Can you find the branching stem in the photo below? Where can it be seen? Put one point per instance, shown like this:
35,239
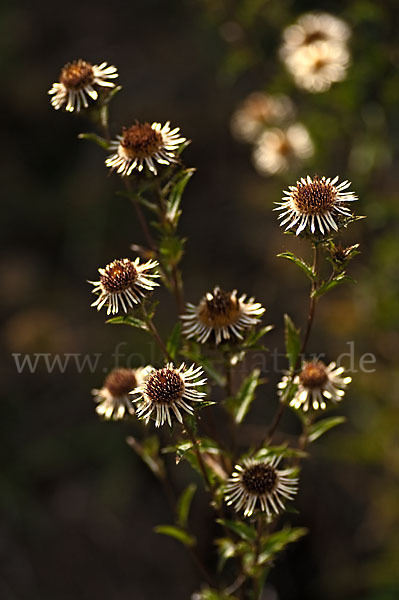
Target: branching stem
309,323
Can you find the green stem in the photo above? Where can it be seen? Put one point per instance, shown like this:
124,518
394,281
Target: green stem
197,453
140,216
104,120
309,323
154,332
257,584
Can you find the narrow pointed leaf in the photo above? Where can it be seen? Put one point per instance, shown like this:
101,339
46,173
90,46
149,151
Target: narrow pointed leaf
256,335
128,320
276,542
176,194
244,531
241,403
176,532
326,286
184,503
93,137
319,428
308,269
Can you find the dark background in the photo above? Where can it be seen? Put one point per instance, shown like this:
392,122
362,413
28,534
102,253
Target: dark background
77,506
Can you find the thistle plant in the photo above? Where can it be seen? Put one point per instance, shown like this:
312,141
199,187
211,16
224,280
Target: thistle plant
202,387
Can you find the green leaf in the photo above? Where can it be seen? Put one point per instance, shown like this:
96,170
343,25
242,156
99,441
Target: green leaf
244,531
292,341
128,320
212,594
326,286
148,452
226,550
276,542
184,503
173,343
175,196
110,93
308,269
256,335
318,429
176,532
93,137
171,249
241,403
283,451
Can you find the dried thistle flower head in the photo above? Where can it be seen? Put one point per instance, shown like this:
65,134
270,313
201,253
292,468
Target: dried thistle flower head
113,400
78,82
222,314
278,149
316,383
168,391
259,111
312,28
340,255
316,203
259,484
124,281
317,66
144,144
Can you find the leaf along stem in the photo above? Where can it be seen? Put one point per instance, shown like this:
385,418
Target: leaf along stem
312,308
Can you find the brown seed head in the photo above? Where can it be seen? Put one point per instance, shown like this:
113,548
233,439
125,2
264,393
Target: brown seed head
141,141
120,382
315,198
77,75
259,479
220,309
313,374
165,386
119,276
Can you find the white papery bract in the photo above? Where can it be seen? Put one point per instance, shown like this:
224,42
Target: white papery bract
258,484
317,384
124,282
113,400
222,314
167,392
317,203
142,145
78,83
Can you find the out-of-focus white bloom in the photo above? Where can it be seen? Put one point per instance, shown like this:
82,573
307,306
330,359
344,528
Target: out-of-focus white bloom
316,385
317,66
259,111
312,28
113,400
278,149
